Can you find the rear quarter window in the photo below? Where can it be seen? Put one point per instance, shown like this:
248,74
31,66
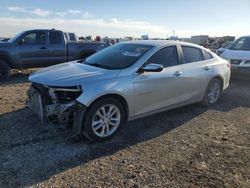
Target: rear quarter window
55,37
192,54
207,55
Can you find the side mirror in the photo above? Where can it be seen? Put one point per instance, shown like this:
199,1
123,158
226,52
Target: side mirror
20,42
152,67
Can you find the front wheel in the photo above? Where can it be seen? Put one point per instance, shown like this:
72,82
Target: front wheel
103,119
4,71
213,92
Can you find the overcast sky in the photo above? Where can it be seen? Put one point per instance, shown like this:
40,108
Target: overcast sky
115,18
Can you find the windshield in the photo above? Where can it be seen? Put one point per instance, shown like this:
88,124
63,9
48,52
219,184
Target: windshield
227,45
13,39
119,56
242,43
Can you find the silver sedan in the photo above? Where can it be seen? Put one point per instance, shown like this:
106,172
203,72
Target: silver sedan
127,81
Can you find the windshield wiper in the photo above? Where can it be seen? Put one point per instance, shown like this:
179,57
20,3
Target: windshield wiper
95,64
99,65
81,61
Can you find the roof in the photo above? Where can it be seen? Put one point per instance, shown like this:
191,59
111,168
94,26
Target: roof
161,43
245,36
45,30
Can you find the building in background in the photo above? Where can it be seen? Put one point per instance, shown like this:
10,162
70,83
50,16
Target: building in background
173,38
144,37
185,40
128,38
217,42
3,39
199,39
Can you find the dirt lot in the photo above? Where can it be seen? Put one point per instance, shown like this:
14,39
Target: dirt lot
191,146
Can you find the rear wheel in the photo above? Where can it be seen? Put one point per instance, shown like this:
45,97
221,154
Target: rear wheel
213,92
4,70
103,119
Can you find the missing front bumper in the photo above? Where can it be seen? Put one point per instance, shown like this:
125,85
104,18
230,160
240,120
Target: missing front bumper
58,113
35,103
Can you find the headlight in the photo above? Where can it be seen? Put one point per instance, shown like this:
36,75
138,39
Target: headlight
64,94
68,88
235,61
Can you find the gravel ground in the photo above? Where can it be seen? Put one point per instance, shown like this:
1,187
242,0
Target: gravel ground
191,146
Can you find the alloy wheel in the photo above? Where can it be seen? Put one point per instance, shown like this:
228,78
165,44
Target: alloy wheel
214,92
106,120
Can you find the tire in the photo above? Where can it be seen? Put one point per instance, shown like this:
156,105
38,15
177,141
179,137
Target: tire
213,92
5,70
97,125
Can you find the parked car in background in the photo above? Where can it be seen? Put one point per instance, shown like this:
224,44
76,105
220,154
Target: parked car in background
4,39
226,46
127,81
239,56
70,37
40,48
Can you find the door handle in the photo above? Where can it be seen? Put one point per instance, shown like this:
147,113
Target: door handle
178,73
206,68
43,48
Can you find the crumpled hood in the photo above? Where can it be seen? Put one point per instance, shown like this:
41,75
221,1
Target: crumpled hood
71,74
236,54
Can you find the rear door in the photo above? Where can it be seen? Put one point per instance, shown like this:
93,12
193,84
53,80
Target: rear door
32,49
156,90
57,47
197,72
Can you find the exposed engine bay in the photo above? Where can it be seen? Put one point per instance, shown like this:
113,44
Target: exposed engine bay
56,104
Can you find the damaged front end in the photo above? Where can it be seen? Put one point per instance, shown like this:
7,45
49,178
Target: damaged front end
57,104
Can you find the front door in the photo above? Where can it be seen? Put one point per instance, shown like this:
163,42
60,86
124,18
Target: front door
157,90
32,49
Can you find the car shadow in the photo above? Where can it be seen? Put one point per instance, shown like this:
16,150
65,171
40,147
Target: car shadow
237,95
32,152
46,152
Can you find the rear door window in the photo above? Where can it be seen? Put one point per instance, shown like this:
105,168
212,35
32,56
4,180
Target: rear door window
55,37
167,57
192,54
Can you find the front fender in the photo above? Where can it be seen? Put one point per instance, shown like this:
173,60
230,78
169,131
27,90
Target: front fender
7,57
93,91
